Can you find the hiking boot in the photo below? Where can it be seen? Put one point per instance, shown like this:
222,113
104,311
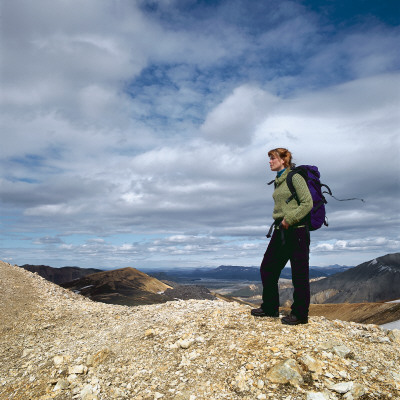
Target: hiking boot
259,312
291,319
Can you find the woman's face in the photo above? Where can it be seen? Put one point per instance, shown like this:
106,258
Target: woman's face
276,163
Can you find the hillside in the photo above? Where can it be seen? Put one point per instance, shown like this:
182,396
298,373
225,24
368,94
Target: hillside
372,281
125,286
129,286
60,275
55,344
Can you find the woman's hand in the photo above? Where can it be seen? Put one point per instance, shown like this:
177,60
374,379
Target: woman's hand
284,224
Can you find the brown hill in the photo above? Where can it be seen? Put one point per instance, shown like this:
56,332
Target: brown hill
126,286
129,286
365,313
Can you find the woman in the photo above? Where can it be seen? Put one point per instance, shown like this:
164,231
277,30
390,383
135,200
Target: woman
290,241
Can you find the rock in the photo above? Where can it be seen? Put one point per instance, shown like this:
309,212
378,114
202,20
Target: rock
61,385
341,351
58,360
312,364
149,333
98,358
316,396
185,344
342,387
87,393
77,369
240,381
394,335
27,352
287,371
357,391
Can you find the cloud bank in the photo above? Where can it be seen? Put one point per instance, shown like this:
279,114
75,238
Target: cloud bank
136,133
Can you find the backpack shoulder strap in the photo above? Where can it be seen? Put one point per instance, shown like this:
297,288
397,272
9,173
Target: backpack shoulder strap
289,182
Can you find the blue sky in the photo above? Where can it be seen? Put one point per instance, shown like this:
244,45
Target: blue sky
136,133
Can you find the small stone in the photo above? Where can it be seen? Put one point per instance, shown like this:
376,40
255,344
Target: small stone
260,384
341,351
185,344
149,333
240,381
342,387
77,369
316,396
87,393
58,360
394,335
62,384
358,391
312,364
284,372
27,352
158,395
98,358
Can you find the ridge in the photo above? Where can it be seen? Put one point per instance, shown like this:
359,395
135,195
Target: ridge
55,344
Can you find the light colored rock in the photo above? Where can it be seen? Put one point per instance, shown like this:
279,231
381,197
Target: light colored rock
77,369
316,396
342,387
27,352
341,351
98,358
149,333
394,335
312,364
287,371
61,385
58,360
240,381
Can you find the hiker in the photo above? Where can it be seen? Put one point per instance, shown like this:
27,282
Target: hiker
290,241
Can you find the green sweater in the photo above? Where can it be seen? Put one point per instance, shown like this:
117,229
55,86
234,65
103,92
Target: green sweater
292,212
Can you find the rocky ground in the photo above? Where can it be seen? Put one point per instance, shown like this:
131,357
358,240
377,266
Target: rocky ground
55,344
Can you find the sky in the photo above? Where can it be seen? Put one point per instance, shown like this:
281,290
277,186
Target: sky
135,133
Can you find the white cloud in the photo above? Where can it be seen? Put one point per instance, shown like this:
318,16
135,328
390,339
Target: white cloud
123,121
235,119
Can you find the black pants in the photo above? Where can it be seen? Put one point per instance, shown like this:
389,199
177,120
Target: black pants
294,246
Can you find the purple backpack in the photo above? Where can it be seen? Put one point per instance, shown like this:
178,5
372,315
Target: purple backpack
317,216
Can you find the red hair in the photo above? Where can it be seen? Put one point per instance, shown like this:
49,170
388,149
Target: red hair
283,154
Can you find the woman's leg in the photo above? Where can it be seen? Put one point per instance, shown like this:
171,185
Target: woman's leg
299,261
275,259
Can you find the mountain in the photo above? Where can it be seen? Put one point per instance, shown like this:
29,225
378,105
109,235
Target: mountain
372,281
55,344
129,286
60,275
234,272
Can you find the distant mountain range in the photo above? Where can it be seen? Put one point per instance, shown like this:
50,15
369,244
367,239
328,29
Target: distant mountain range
223,272
234,272
372,281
